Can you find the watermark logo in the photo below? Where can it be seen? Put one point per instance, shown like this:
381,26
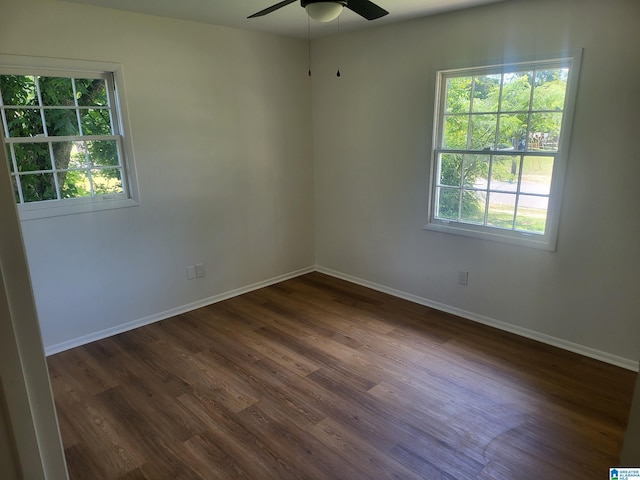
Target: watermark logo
624,473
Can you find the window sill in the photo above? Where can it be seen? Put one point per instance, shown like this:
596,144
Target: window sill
56,208
541,242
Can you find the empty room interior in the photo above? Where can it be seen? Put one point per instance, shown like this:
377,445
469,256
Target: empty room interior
276,248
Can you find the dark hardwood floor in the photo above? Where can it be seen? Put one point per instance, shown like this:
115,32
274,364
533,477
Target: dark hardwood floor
316,378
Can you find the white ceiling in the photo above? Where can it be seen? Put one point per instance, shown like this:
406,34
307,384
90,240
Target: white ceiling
290,20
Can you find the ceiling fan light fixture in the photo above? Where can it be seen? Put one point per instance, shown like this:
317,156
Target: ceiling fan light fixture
324,11
327,10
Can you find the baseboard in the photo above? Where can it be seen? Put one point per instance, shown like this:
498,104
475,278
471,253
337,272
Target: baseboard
108,332
626,363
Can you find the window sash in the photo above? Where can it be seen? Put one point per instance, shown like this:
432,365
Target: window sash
518,191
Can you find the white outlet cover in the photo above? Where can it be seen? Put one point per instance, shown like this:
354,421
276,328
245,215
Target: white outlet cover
199,270
191,273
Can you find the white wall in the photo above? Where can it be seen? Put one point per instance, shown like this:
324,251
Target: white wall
220,122
372,140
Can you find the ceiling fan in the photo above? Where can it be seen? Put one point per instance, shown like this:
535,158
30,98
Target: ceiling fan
325,11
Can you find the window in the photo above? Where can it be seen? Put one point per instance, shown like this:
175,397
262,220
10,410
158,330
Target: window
64,140
501,138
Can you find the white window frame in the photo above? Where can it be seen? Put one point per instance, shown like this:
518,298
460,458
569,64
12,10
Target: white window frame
22,65
548,240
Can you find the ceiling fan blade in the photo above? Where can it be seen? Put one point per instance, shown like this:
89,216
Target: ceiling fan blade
366,9
272,8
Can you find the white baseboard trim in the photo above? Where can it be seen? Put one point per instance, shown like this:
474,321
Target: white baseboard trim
626,363
108,332
612,359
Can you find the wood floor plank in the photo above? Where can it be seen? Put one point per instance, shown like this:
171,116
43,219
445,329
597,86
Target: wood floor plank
359,453
211,461
148,431
231,436
305,456
318,378
81,365
103,438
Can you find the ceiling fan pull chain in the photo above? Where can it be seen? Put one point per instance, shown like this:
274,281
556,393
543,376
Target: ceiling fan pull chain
309,41
338,72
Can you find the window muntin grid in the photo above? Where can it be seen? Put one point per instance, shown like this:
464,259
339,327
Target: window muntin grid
62,136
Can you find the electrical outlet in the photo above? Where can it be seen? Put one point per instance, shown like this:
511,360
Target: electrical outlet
191,273
199,270
463,278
